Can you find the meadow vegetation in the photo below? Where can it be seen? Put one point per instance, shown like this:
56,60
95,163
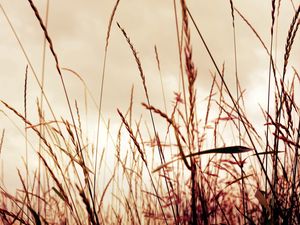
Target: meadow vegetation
169,176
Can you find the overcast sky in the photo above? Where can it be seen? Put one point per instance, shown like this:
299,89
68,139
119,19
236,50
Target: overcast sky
78,29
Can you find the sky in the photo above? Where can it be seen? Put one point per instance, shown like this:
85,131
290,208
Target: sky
78,30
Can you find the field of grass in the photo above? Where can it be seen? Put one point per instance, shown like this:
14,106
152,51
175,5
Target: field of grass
173,164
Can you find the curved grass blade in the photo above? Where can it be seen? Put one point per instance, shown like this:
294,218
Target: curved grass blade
223,150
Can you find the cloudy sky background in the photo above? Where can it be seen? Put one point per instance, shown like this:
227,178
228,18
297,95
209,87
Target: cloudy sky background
78,29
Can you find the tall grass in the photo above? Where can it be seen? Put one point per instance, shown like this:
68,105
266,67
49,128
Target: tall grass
167,177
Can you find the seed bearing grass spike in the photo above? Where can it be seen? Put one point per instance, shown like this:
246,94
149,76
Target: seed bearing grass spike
171,174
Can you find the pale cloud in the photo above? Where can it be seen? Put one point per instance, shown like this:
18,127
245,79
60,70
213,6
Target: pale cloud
78,30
